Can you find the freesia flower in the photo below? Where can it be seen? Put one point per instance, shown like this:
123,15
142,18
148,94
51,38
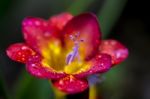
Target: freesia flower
67,50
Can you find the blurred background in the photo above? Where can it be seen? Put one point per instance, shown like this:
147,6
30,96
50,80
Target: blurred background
124,20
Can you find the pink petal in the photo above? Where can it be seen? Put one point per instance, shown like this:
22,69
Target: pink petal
59,21
37,32
19,52
115,49
36,68
87,28
99,64
71,85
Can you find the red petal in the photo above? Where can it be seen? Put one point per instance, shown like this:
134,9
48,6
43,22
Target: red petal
100,64
71,85
20,52
115,49
59,21
37,32
35,68
86,25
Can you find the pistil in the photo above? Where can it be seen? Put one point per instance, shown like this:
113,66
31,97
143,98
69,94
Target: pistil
75,53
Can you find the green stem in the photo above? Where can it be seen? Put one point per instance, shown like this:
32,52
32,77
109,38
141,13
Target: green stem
92,92
109,14
59,94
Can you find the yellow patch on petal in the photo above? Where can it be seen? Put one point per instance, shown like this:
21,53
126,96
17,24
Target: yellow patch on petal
56,47
53,55
76,67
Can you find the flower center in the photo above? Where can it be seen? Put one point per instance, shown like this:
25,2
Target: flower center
65,59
